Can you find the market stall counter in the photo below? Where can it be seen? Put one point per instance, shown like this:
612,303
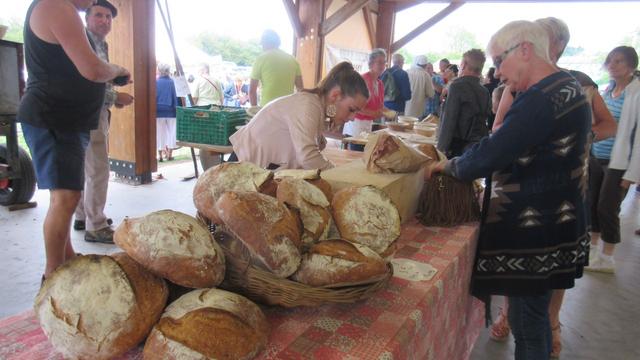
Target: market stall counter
425,312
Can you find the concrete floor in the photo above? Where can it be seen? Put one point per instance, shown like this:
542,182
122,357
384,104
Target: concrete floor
600,315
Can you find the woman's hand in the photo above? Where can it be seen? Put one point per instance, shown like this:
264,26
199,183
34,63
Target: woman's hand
434,168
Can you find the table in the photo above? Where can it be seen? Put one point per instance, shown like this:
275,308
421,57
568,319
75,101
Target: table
212,149
431,319
337,156
405,135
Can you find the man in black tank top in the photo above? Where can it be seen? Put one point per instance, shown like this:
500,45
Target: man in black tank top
62,102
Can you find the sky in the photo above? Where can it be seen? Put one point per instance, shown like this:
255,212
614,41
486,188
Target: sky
594,26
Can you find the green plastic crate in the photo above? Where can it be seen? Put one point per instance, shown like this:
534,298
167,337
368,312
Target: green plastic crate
211,124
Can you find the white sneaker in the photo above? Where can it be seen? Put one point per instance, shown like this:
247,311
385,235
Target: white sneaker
602,265
593,254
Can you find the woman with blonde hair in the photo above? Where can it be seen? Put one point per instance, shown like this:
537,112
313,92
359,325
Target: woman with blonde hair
603,126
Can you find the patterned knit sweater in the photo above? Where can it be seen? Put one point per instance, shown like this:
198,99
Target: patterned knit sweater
533,234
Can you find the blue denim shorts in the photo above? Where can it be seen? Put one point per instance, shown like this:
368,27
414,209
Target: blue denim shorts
58,156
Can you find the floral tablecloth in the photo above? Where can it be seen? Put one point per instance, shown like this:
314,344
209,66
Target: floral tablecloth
412,318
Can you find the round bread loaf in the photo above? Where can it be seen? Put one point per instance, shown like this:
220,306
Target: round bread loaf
99,307
175,246
312,205
269,230
366,215
208,324
335,261
324,186
237,176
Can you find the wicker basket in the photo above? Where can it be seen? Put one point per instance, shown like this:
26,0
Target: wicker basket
262,286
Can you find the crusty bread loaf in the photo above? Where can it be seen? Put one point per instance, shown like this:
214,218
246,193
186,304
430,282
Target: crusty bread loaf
335,261
312,205
324,186
269,230
308,174
311,176
175,246
98,307
366,215
208,324
238,176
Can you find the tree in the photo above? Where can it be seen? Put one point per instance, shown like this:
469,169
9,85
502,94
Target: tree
240,52
408,58
633,39
460,41
571,51
14,33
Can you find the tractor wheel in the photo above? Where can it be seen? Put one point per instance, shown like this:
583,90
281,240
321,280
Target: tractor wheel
18,191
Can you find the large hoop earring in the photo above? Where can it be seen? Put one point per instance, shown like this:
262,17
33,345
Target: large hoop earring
331,110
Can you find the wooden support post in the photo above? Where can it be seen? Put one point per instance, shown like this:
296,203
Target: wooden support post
385,26
310,46
132,137
368,21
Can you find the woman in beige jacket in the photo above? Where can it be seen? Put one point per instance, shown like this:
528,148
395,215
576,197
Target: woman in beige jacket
287,132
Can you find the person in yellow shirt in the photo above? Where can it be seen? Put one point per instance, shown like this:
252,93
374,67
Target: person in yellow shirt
207,90
276,71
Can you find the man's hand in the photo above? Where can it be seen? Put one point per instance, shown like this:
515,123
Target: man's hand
625,184
123,99
433,168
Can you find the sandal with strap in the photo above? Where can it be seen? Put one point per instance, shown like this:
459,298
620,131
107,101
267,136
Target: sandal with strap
500,328
556,341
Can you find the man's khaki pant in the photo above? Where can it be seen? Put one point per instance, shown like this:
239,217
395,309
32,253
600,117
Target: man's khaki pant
96,175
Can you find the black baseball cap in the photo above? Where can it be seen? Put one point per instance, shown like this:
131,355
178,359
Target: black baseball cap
108,5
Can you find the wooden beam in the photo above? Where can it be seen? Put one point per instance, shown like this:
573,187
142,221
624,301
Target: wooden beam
292,12
368,22
311,45
341,15
453,6
385,24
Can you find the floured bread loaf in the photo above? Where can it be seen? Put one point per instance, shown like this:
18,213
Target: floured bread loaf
311,204
309,174
336,261
268,229
99,307
175,246
367,216
324,186
241,176
208,324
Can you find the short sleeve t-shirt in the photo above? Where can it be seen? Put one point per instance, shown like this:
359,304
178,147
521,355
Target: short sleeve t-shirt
276,71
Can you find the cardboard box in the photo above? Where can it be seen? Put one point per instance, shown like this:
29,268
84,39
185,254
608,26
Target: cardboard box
403,189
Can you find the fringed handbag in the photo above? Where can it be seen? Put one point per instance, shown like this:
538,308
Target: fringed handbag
446,201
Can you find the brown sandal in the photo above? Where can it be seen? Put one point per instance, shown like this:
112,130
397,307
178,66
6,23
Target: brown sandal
556,341
500,328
